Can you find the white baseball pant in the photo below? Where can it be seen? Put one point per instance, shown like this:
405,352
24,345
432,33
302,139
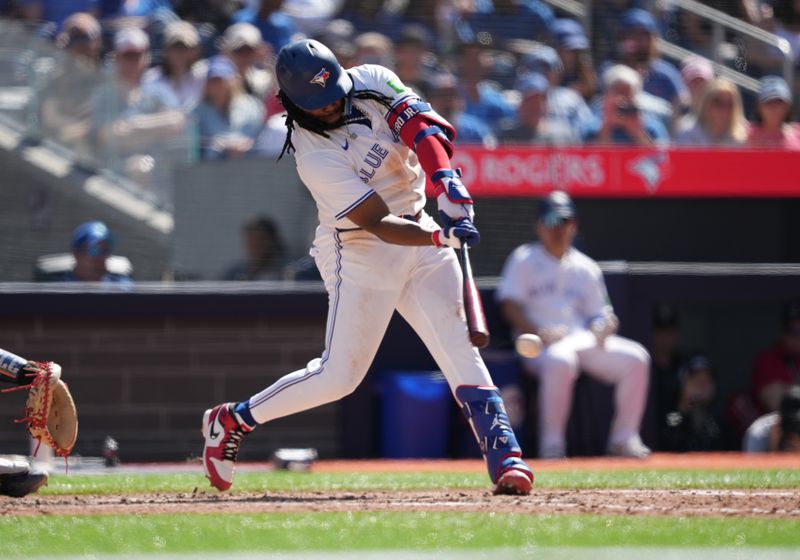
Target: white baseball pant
619,361
367,280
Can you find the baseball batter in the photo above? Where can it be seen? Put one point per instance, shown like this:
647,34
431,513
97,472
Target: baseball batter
551,289
17,478
363,144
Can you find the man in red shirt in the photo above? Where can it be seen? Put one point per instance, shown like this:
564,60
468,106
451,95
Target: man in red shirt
778,368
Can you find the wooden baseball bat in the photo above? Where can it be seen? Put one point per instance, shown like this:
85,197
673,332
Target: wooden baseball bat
473,307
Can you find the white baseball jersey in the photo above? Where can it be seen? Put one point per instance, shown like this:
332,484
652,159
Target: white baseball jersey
570,292
361,158
366,278
567,292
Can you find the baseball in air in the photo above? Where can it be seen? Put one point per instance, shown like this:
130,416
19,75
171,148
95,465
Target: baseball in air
528,345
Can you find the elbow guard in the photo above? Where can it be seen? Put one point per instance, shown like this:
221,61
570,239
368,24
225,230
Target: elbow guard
412,109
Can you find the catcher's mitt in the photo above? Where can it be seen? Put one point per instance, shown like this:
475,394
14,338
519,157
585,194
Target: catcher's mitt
50,411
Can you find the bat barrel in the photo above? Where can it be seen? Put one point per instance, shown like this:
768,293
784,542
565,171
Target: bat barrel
473,307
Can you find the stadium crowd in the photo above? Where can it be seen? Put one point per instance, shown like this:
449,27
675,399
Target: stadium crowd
504,71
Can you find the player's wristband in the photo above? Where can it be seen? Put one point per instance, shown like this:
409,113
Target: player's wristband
436,237
11,366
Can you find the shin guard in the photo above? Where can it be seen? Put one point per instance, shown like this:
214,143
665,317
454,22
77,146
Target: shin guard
484,409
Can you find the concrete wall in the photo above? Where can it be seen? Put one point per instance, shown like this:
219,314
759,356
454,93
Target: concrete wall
144,364
214,199
146,380
39,211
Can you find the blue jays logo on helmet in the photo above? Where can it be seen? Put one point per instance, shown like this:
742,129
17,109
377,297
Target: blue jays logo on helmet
321,77
310,76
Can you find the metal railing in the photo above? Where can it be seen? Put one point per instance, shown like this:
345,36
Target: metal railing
673,51
720,21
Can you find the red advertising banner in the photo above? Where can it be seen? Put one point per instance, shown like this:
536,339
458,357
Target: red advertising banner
629,173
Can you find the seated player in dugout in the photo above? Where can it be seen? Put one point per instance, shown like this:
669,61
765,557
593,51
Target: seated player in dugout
551,289
91,259
363,144
776,432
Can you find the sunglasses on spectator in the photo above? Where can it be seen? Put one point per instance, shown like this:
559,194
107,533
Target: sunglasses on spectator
77,37
179,45
722,102
131,55
244,49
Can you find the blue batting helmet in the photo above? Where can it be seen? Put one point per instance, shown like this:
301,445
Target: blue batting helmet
310,76
556,208
93,237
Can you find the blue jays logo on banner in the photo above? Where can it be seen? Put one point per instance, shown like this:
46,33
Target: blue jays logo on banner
321,77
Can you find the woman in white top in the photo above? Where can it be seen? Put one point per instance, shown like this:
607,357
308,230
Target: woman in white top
720,118
180,69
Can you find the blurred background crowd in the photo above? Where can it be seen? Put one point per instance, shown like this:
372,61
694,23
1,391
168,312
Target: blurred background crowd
135,83
168,108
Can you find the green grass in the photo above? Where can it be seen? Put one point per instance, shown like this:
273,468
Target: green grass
421,530
284,481
379,531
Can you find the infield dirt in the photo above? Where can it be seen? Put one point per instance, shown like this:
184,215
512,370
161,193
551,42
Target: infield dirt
771,503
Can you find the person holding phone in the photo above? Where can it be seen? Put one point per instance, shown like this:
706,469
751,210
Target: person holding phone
621,120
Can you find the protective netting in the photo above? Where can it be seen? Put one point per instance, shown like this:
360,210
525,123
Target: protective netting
116,109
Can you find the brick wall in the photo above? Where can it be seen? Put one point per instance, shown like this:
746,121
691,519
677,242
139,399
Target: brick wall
147,381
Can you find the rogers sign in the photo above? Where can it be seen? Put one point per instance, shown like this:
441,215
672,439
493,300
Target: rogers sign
489,171
629,172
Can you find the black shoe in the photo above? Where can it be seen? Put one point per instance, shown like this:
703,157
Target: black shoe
21,484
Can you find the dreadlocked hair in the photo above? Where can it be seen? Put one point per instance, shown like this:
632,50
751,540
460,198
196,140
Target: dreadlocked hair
296,115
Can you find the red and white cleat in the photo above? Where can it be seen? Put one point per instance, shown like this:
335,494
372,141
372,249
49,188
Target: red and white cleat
223,435
514,482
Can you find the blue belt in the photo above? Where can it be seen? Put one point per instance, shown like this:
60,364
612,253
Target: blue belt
409,217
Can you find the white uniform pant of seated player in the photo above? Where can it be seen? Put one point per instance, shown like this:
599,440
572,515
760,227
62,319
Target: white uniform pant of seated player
367,280
618,361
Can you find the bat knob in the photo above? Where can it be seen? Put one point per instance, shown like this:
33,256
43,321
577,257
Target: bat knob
479,339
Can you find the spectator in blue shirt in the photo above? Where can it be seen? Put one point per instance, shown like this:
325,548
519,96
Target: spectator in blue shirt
621,120
276,27
512,19
482,98
132,8
638,48
55,11
563,104
369,15
415,62
535,125
442,94
573,48
605,24
152,15
228,119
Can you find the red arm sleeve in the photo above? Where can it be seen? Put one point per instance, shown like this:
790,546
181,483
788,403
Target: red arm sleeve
430,151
